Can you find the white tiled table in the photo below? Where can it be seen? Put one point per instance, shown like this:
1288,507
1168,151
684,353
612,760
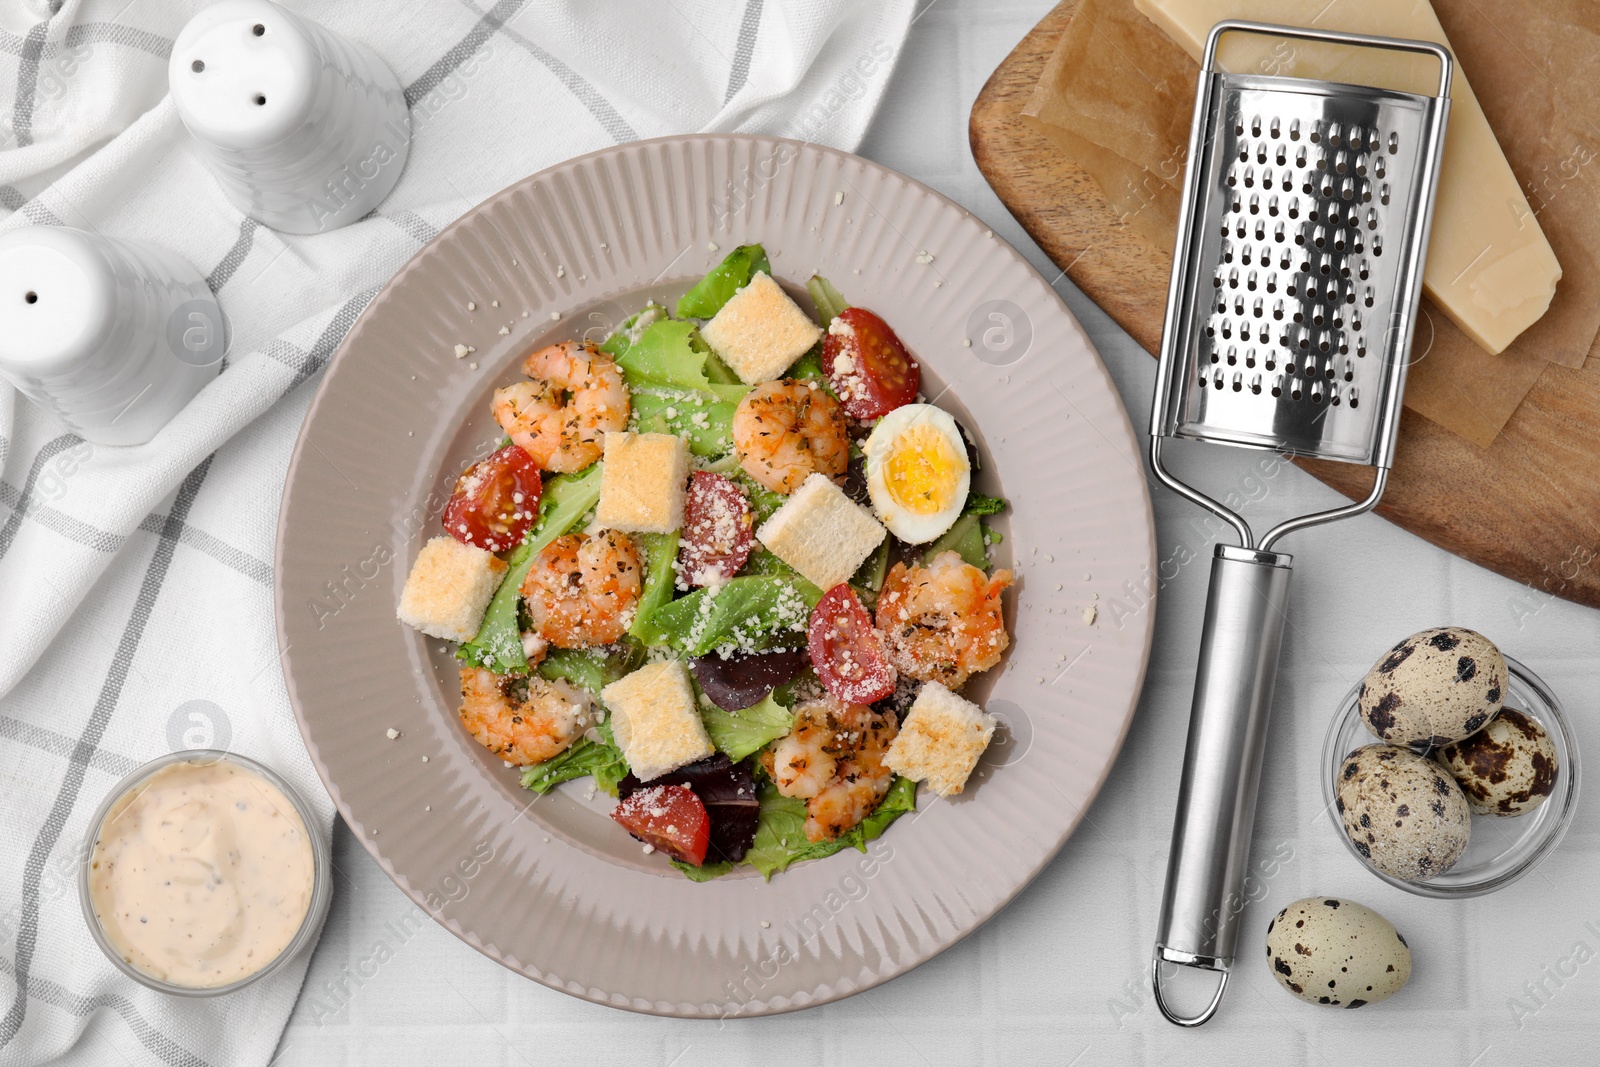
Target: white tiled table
1060,976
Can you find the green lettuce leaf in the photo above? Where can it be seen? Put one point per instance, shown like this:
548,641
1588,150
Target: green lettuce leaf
830,305
809,368
739,733
978,504
966,539
567,498
874,569
705,872
725,279
780,831
592,669
718,372
699,418
764,563
601,760
667,353
746,612
763,501
660,553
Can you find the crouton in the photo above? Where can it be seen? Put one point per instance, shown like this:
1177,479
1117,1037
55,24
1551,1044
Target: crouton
655,720
449,589
822,533
642,482
760,332
941,739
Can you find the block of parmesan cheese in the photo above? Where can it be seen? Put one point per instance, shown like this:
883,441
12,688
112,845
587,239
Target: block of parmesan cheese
1490,268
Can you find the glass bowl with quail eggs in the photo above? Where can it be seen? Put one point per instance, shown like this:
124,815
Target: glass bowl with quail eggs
1450,770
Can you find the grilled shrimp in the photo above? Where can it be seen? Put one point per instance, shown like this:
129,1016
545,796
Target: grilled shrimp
522,729
575,395
942,622
583,590
834,759
800,764
787,430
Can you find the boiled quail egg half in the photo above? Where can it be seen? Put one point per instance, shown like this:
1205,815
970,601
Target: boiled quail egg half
917,472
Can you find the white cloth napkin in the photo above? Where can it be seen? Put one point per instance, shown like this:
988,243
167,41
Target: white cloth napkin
136,584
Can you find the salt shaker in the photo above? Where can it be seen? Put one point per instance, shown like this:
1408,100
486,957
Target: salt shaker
304,130
114,336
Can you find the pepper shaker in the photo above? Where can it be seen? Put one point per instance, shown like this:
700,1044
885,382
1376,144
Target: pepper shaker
114,336
305,130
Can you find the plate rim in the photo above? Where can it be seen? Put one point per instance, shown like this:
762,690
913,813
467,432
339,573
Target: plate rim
635,1003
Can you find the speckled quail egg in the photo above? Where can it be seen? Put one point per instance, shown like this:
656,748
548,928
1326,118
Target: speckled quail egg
1403,812
1435,687
1336,952
917,472
1507,768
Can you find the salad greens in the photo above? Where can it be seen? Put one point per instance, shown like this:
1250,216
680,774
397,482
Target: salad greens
725,279
970,536
668,353
719,372
592,669
966,539
566,499
699,418
830,305
706,871
978,504
660,572
872,573
738,734
809,368
601,760
745,613
781,837
763,501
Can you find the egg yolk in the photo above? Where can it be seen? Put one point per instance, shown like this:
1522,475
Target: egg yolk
922,470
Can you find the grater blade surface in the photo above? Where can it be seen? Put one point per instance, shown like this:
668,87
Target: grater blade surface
1306,224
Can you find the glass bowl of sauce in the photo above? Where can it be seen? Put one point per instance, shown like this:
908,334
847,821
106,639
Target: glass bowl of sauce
201,874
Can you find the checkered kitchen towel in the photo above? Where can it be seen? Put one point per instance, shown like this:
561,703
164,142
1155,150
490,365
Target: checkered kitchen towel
136,584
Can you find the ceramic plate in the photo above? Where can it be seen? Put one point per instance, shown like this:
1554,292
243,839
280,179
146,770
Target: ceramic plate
552,888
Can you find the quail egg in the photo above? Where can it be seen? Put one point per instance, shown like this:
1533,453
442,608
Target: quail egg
1435,687
918,474
1403,812
1336,952
1507,768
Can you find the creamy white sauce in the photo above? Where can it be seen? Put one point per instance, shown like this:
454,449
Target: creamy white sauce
201,874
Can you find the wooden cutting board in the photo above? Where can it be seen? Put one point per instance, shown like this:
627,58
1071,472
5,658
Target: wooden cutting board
1527,507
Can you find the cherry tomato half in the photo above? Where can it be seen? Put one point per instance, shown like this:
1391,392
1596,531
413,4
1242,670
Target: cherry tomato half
496,501
868,367
670,818
846,651
717,530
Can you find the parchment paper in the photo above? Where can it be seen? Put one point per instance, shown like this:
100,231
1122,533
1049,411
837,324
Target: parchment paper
1117,83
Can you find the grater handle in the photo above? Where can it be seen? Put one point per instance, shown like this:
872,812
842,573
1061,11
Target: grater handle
1239,649
1305,33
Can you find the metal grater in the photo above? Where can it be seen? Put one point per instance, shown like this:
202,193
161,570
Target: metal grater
1293,297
